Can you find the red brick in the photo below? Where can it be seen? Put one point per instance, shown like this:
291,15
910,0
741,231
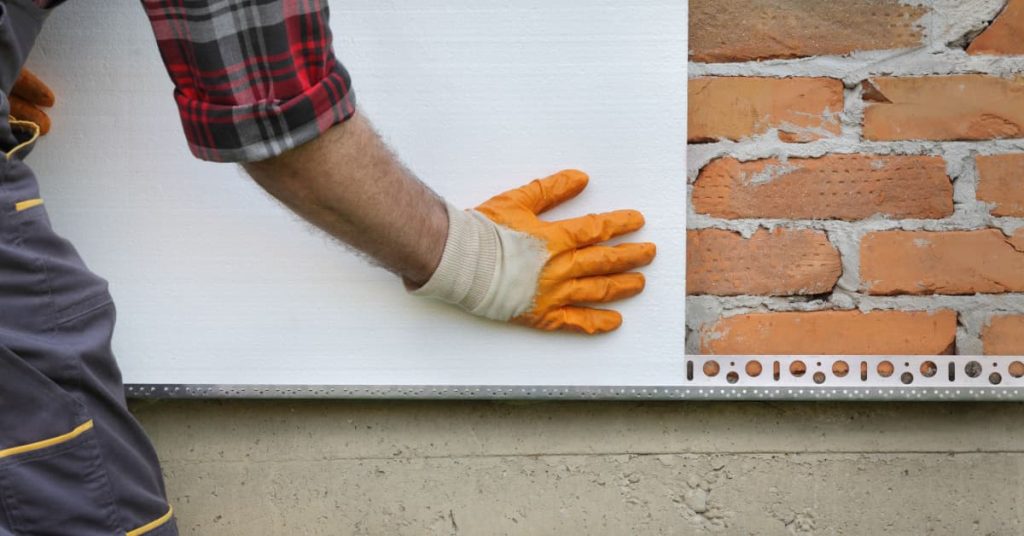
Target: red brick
963,107
1004,335
844,187
955,262
744,30
833,332
1001,182
1005,36
803,109
770,263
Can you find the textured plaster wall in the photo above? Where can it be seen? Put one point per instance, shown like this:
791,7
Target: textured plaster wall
589,468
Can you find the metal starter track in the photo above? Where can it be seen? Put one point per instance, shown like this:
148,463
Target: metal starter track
711,377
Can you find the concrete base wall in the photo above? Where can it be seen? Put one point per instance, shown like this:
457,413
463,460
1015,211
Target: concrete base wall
335,467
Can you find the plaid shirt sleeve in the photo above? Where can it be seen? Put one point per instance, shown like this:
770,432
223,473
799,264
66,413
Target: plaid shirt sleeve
252,78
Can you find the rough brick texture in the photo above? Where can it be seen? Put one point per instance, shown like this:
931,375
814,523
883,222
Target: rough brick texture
1005,36
770,263
802,109
1001,182
1004,335
955,262
906,198
833,332
845,187
744,30
965,107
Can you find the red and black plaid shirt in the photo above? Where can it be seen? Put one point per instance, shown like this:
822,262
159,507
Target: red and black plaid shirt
252,78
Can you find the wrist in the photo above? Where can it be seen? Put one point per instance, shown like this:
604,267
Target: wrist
430,247
487,269
466,265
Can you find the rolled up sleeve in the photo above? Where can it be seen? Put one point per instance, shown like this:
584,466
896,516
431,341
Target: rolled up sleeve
252,78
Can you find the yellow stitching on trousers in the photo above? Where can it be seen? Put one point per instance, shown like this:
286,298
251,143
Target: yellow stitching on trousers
20,123
63,438
152,524
27,204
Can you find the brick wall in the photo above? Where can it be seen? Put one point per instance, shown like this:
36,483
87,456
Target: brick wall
856,177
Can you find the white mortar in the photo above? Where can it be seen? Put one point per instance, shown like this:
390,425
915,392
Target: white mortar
950,24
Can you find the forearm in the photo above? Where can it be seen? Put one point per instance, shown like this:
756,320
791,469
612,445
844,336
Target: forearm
348,183
499,261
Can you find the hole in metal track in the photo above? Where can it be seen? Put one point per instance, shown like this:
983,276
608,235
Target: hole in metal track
753,368
907,378
863,371
972,369
797,368
885,369
776,370
732,377
952,371
928,369
1016,369
711,368
819,377
840,368
995,378
689,370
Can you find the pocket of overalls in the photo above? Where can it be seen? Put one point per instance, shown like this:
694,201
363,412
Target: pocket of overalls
63,284
52,480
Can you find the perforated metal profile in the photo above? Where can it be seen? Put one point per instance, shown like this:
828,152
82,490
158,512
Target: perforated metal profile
735,377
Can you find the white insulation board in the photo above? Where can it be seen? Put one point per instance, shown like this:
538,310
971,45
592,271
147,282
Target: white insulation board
216,283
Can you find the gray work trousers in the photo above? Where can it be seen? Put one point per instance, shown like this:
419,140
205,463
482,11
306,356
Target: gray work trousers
73,460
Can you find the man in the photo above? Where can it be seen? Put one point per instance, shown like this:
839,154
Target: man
256,82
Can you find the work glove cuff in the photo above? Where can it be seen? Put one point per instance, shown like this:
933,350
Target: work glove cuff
487,269
468,263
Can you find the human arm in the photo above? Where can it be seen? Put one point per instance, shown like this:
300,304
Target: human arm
498,261
286,112
348,183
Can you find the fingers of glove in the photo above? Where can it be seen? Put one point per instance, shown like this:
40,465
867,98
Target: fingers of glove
598,289
25,111
29,87
579,319
601,260
543,194
595,228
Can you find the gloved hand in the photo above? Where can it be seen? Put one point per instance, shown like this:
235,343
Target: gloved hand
502,262
28,97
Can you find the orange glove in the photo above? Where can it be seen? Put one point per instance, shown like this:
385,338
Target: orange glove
502,262
28,97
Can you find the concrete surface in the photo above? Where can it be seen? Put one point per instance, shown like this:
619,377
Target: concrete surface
589,468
